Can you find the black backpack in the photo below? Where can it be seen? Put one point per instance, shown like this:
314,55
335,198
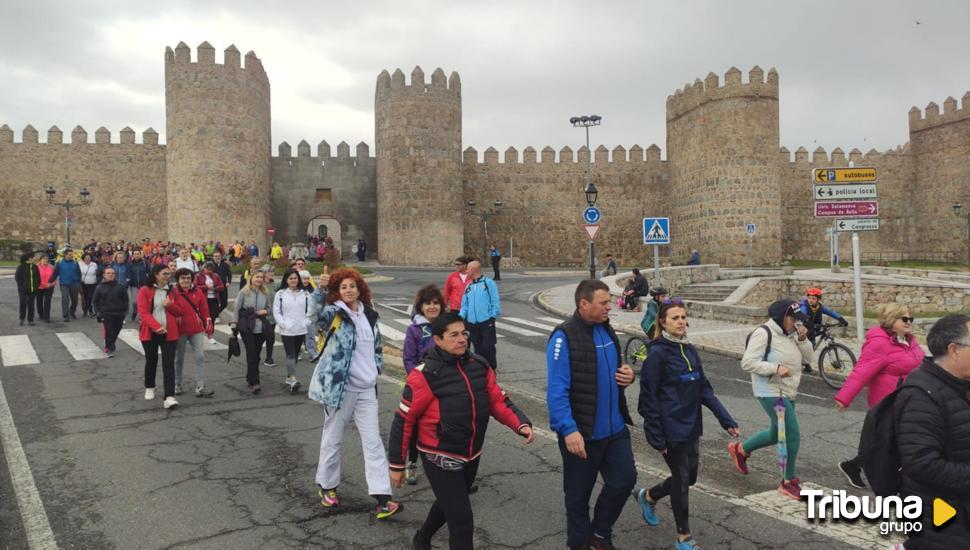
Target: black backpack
878,447
767,346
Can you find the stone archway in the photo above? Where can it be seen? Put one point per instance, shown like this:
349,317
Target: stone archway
325,226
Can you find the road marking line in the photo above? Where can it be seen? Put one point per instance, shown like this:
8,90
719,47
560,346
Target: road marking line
529,323
402,320
80,346
551,319
391,333
37,527
16,350
224,329
130,337
516,330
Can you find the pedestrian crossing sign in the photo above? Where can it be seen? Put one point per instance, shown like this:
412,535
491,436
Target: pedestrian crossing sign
656,230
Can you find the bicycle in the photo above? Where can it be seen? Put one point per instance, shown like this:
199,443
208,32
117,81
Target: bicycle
836,360
635,353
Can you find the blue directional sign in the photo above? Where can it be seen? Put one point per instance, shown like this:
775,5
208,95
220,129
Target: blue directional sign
591,215
656,230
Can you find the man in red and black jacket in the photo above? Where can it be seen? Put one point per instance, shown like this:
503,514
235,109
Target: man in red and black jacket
447,403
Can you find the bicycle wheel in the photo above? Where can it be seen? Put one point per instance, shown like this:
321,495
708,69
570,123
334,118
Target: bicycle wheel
635,353
835,363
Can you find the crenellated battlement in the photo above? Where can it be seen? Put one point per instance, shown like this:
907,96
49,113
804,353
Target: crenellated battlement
79,136
181,57
700,92
323,153
619,156
821,158
395,85
933,117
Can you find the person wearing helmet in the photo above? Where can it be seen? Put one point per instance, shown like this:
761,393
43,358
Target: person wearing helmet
649,320
812,307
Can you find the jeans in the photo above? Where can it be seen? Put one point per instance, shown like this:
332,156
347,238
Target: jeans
292,345
253,342
44,303
87,294
198,350
451,505
483,339
27,300
69,295
112,327
769,437
611,458
682,458
152,347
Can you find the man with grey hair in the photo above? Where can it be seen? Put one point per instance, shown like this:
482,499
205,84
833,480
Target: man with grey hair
933,434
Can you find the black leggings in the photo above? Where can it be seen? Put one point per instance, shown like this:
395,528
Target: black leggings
44,303
682,459
87,295
451,505
253,342
112,327
27,301
160,341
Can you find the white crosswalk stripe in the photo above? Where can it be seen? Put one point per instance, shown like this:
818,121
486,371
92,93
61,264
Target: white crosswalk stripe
529,323
407,322
516,330
389,333
555,321
80,346
130,337
16,350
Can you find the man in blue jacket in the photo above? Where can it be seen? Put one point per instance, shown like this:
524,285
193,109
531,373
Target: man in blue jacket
69,273
588,411
479,308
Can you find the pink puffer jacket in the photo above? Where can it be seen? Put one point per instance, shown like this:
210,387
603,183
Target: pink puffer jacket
883,364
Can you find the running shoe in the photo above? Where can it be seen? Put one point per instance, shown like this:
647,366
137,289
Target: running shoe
108,352
328,499
269,363
687,544
411,473
854,476
170,402
255,389
149,394
738,456
203,392
388,509
178,389
791,489
294,384
649,514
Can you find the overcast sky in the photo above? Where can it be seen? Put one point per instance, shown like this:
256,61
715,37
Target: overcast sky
849,71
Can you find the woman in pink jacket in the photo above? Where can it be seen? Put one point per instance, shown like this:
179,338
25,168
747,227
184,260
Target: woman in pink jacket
889,353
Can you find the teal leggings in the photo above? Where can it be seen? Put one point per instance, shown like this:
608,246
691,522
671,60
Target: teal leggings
766,438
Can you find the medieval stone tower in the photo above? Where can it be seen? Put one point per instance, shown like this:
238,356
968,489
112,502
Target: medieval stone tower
217,121
419,186
723,144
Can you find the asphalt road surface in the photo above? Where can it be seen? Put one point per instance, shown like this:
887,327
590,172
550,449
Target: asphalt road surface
88,463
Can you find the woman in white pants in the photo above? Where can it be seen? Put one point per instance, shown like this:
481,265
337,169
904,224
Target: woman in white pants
345,382
290,306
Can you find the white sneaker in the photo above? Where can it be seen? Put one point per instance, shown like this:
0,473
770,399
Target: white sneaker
149,394
212,341
170,402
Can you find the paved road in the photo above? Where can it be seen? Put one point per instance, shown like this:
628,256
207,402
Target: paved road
236,471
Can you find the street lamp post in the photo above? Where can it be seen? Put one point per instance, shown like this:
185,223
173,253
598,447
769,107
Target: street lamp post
958,210
586,121
497,205
68,205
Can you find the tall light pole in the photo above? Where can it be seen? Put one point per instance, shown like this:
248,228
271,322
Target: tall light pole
497,205
586,121
958,210
68,205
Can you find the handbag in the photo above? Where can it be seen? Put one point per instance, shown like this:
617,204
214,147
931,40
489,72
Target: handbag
234,350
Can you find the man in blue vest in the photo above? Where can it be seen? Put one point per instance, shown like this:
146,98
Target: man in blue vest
588,411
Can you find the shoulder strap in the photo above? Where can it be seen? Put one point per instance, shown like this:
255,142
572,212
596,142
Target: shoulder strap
768,345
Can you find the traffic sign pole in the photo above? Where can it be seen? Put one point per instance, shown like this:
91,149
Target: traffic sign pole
656,265
857,282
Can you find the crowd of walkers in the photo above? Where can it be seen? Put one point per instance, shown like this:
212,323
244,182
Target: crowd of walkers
451,388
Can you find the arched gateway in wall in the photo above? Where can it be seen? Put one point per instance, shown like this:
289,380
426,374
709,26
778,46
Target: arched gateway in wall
325,226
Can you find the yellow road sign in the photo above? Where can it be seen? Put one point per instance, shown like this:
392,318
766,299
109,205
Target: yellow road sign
843,175
942,512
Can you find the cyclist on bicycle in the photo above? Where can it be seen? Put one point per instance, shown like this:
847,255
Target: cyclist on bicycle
812,306
649,321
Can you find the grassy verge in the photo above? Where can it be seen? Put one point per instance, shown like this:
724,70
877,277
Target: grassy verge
9,263
907,264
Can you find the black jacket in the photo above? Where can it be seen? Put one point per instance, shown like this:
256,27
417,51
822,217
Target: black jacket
224,271
933,435
110,299
582,372
27,277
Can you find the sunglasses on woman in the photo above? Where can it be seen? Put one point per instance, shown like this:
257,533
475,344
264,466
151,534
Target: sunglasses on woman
907,319
673,301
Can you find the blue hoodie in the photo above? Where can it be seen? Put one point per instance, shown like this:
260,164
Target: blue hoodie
68,271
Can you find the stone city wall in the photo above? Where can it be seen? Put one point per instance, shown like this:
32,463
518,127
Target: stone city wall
926,297
347,193
126,181
543,202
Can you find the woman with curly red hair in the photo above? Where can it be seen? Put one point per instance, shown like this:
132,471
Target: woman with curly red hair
345,383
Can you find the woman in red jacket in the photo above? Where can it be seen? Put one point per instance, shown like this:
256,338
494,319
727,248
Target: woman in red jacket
158,317
447,402
195,325
890,352
212,285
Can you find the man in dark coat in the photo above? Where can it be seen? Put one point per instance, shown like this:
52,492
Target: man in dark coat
933,434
